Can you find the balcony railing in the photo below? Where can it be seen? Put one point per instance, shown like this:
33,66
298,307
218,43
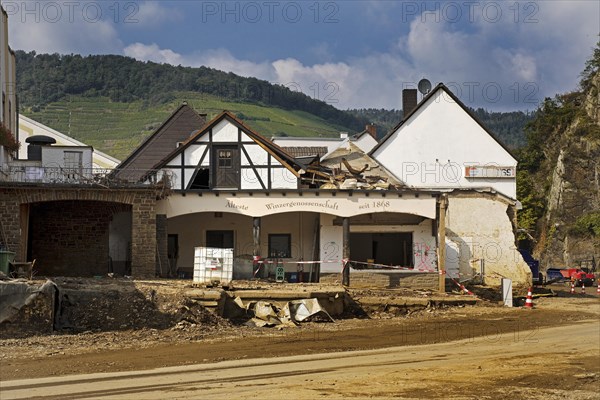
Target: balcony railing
28,172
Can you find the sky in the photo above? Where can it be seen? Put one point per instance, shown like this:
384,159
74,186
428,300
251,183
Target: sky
498,55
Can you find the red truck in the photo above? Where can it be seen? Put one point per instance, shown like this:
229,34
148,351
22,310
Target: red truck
579,276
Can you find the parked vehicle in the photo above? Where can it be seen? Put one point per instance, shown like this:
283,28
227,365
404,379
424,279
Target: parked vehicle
576,275
534,266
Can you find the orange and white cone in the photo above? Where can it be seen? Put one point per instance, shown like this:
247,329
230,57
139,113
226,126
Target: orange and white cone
572,287
582,288
598,290
529,301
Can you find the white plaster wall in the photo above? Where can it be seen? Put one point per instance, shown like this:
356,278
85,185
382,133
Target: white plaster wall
225,131
481,229
193,154
433,147
175,162
282,178
249,179
53,156
257,154
191,230
366,142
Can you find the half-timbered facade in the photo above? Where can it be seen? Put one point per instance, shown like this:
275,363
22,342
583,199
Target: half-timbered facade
226,154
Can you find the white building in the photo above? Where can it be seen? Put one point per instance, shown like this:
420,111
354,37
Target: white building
29,127
233,188
8,87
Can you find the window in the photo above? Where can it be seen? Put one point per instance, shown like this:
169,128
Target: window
219,239
73,164
225,158
280,245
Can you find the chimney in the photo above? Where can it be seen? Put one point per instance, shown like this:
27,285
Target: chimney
34,149
372,130
343,135
409,101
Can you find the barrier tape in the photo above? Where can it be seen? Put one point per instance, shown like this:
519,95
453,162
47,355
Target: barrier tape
463,288
345,262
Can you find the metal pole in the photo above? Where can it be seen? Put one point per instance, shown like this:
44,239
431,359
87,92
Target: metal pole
346,251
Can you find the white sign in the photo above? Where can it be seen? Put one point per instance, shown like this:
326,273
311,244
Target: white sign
490,171
261,205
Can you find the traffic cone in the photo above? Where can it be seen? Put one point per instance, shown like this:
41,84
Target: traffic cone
572,288
582,288
529,301
598,290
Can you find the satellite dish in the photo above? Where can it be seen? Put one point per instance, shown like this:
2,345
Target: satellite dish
424,86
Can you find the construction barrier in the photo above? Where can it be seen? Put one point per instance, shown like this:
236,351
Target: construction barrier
529,301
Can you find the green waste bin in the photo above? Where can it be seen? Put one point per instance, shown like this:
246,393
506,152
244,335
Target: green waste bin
6,257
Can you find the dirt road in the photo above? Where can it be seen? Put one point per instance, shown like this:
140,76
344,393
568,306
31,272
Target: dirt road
538,364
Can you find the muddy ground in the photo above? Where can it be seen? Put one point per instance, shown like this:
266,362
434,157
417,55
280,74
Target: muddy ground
209,338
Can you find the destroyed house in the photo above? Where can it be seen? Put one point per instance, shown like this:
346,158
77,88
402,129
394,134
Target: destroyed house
232,188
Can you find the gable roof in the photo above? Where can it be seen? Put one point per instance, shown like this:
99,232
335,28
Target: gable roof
444,88
177,128
277,152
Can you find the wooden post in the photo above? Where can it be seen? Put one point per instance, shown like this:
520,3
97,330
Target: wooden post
346,251
442,244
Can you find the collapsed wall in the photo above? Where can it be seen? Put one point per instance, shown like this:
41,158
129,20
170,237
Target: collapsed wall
480,237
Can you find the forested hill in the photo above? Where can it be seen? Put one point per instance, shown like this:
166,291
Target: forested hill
113,102
47,78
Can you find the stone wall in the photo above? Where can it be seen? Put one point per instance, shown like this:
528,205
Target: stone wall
15,204
386,280
70,238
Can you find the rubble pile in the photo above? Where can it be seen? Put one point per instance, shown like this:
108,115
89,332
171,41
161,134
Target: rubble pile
348,168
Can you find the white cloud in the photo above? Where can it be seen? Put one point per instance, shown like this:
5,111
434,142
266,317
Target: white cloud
525,60
152,13
58,29
152,52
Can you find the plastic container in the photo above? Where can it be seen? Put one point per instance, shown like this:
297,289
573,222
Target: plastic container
213,265
6,257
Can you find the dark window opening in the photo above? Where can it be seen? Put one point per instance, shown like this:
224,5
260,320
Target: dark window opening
201,179
219,239
382,248
280,245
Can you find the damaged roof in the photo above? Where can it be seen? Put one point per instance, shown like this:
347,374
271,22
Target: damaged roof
348,167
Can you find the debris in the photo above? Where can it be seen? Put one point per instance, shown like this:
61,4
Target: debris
291,314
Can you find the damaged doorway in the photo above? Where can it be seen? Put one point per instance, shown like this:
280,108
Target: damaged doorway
79,237
382,248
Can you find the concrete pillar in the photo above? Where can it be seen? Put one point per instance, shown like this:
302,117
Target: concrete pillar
442,244
162,259
256,236
346,251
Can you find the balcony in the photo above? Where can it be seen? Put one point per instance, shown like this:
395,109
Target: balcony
33,173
